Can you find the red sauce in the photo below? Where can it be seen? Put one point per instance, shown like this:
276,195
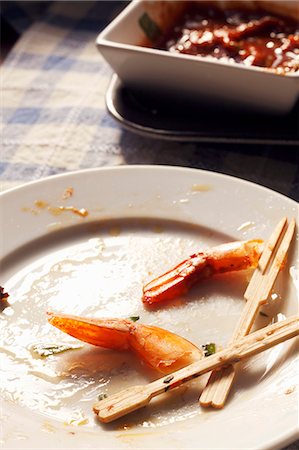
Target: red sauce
252,38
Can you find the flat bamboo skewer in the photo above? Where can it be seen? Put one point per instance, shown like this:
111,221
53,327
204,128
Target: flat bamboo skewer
136,397
257,293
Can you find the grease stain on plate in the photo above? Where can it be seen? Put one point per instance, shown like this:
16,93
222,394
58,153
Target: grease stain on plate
55,210
201,188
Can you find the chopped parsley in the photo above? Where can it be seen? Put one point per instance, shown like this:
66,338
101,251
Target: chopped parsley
45,350
209,349
168,379
134,318
102,396
150,28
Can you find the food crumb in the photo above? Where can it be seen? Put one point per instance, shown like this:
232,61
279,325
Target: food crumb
41,204
290,390
114,231
80,212
200,187
209,349
77,419
3,295
168,379
157,229
57,210
134,318
49,349
67,193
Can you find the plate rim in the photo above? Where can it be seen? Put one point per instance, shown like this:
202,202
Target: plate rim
136,167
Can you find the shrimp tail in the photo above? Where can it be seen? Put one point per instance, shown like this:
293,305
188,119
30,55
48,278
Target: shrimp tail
162,349
158,348
229,257
107,333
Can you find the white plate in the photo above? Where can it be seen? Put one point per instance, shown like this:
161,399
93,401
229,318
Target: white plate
141,220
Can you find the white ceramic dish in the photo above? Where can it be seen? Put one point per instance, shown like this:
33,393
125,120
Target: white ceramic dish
151,116
160,71
141,220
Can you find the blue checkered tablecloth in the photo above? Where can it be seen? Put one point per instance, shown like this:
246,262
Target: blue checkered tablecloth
53,115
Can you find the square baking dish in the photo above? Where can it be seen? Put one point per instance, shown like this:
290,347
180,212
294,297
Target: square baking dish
123,44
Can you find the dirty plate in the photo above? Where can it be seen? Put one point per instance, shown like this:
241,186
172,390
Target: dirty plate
85,243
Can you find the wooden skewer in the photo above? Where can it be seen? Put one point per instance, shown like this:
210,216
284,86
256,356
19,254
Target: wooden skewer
136,397
257,293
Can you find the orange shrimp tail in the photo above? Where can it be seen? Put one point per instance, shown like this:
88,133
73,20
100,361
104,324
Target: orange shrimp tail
229,257
107,333
161,349
158,348
176,281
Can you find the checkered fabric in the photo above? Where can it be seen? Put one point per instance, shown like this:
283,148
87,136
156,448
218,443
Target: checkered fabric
54,118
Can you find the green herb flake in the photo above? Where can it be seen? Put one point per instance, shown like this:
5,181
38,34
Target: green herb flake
168,379
45,350
102,396
150,28
134,318
209,349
